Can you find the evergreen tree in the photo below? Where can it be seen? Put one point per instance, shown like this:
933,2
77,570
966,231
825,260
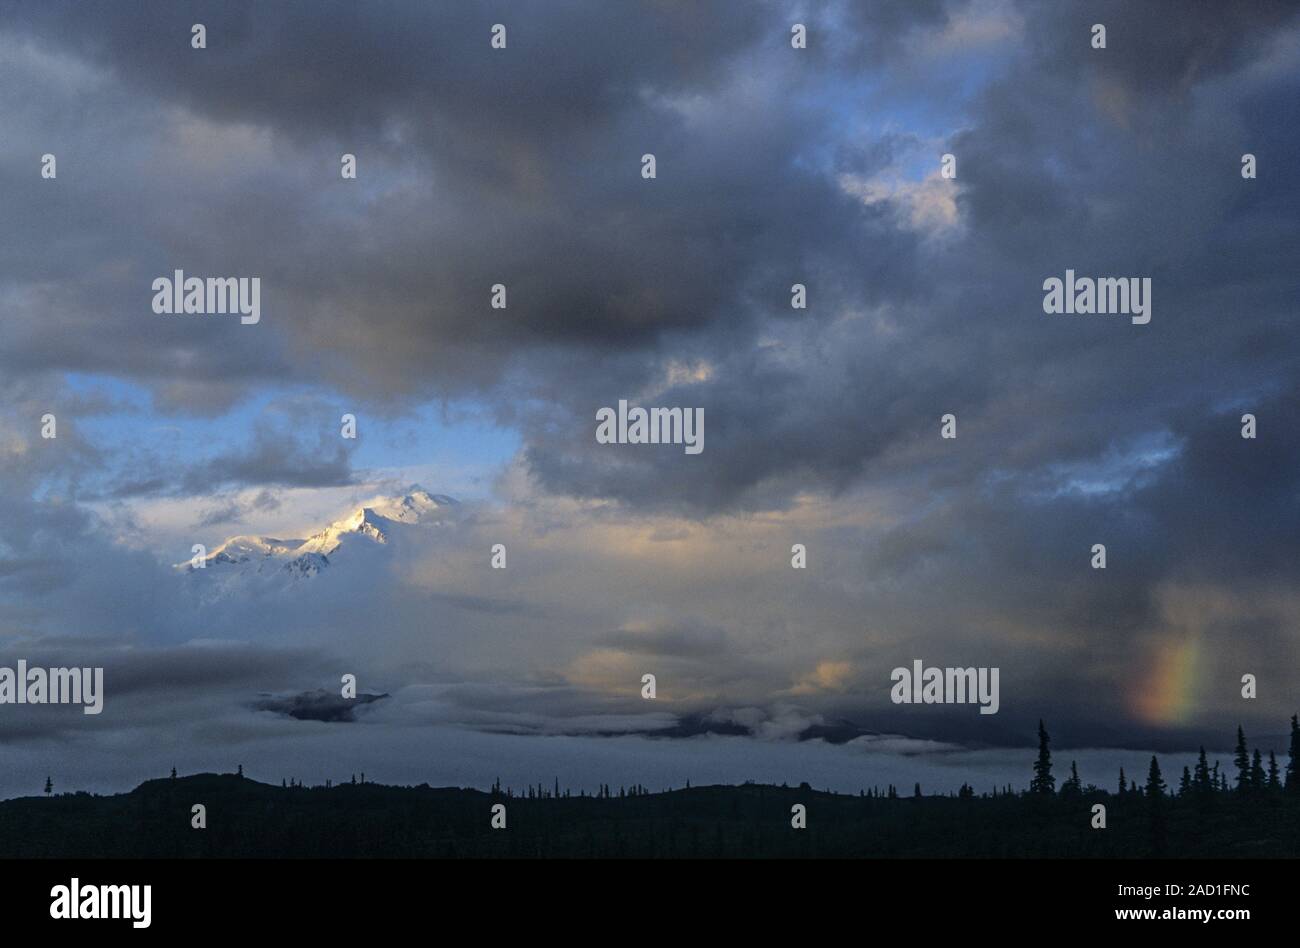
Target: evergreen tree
1257,776
173,773
1043,781
1185,783
1274,780
1293,765
1072,785
1242,761
1155,792
1123,782
240,772
917,791
49,786
1201,780
1155,783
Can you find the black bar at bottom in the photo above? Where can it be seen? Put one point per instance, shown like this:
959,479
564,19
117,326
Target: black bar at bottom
330,897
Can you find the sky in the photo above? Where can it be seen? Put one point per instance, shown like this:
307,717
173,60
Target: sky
522,166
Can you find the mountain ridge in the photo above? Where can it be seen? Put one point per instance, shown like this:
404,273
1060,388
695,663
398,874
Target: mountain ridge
373,523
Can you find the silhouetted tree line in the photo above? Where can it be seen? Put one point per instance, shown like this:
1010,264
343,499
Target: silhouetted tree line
1201,792
1203,783
1202,816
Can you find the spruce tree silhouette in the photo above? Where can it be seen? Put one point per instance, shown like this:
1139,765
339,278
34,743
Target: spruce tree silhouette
49,786
1155,782
1257,777
1293,765
1072,787
1185,783
1242,761
1123,783
1043,781
1274,779
1201,781
1155,794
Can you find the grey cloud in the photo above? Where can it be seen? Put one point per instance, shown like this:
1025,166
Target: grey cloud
276,457
564,148
522,169
318,705
150,688
235,508
686,640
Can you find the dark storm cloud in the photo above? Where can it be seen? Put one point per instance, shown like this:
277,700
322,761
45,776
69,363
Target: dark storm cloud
1106,165
318,705
1062,166
276,457
522,167
360,67
1159,48
148,687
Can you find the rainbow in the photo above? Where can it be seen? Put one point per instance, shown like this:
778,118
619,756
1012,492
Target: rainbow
1164,695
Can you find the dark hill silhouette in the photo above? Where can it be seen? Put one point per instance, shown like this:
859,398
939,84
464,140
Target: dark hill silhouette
246,818
1204,818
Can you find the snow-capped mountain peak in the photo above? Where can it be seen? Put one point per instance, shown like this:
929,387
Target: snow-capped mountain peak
374,523
412,508
243,548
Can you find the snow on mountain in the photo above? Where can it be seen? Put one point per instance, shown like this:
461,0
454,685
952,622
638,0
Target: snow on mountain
413,508
242,549
375,523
